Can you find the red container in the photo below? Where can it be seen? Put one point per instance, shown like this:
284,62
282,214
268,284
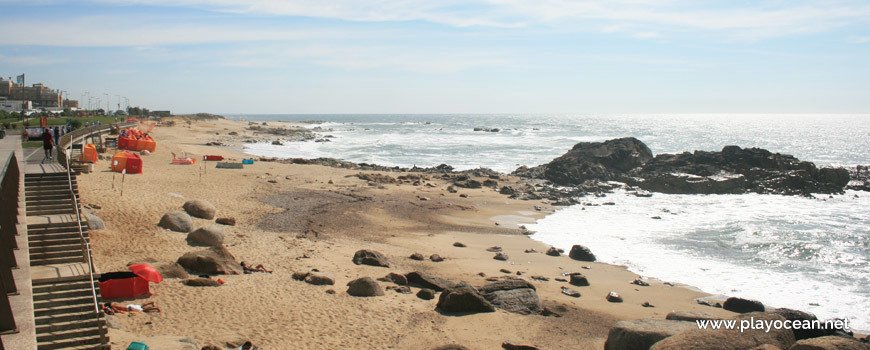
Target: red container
213,157
122,142
116,285
134,164
133,144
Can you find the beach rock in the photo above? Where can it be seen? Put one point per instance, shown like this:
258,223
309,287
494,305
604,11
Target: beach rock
111,322
177,221
300,275
400,289
426,294
509,345
94,222
512,295
613,297
767,347
424,280
494,249
320,278
470,183
689,316
172,270
459,244
553,251
451,347
210,236
226,221
597,161
500,256
740,305
436,258
463,298
199,208
577,279
581,253
370,257
729,339
201,282
417,256
643,333
364,287
830,343
211,261
797,315
397,278
570,292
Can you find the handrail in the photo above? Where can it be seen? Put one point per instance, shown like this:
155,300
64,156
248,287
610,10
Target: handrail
86,247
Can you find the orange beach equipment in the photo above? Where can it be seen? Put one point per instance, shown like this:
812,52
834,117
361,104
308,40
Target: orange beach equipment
126,160
89,153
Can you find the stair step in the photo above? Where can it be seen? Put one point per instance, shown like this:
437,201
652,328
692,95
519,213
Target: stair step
50,313
77,251
51,212
80,291
59,302
65,260
64,317
49,233
55,248
67,326
66,344
60,288
68,204
55,225
57,242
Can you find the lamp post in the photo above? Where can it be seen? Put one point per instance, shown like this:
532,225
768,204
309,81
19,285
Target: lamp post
107,103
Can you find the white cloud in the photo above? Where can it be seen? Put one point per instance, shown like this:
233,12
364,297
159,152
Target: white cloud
29,60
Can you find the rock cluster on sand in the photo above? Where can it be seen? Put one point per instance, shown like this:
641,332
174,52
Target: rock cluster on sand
200,208
708,339
210,236
512,295
370,257
177,221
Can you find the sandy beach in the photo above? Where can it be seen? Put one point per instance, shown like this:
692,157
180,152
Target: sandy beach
295,217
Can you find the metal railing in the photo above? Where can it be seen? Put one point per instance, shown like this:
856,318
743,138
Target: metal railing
10,178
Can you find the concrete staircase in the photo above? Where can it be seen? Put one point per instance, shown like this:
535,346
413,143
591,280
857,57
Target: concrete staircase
56,243
48,194
65,317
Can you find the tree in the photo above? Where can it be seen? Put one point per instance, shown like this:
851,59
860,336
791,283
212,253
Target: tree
75,124
26,123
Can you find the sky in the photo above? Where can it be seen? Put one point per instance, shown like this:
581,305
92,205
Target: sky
429,56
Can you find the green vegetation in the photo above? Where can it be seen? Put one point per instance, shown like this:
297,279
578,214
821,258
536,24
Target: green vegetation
31,144
14,123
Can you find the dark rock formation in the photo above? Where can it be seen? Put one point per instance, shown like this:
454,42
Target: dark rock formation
463,298
709,339
424,280
370,257
577,279
553,251
643,333
417,256
426,294
740,305
364,287
212,261
320,278
596,161
797,315
830,343
512,295
581,253
229,221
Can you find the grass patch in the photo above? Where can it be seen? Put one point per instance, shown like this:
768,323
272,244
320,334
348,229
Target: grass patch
31,144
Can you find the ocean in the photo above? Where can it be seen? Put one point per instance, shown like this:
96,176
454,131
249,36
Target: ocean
804,253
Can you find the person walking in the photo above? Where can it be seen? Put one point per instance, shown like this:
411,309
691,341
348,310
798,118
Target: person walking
47,143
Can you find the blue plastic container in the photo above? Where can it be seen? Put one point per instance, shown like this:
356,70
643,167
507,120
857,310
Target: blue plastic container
137,346
247,161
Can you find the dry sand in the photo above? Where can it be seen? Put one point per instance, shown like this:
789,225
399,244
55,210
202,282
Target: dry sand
302,222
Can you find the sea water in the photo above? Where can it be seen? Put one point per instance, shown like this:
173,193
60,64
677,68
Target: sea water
805,253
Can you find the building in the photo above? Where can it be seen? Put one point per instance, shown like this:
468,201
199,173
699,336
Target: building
71,104
39,95
14,106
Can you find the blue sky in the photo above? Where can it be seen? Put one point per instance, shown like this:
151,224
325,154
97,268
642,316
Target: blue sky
423,56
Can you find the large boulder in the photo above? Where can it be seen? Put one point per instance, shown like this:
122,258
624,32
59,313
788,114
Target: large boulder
209,236
200,208
201,282
512,295
643,333
689,316
95,222
581,253
177,221
603,161
211,261
742,306
463,299
797,315
370,257
730,339
364,287
172,270
424,280
830,343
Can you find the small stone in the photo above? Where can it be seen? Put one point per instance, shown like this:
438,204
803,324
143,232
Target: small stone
614,297
507,345
397,278
300,275
463,195
501,256
647,304
226,221
560,279
426,294
540,278
570,292
640,282
400,289
436,258
494,249
320,279
459,244
330,291
371,258
740,305
505,271
417,256
553,251
531,250
577,279
364,287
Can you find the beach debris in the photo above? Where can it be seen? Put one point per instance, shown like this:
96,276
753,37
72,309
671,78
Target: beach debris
370,257
272,181
463,298
436,258
690,316
459,244
731,338
742,306
201,282
512,295
424,280
581,253
426,294
210,236
508,345
228,221
177,221
643,333
540,278
94,222
560,279
417,256
500,256
199,208
463,195
613,297
577,279
553,251
539,208
318,278
640,282
505,271
451,347
647,304
656,217
494,249
364,287
530,250
570,292
211,261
